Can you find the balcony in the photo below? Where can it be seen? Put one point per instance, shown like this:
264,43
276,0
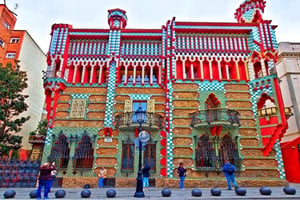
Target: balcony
215,117
271,111
128,121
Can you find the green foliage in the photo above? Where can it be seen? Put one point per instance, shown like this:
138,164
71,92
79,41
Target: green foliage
41,128
12,103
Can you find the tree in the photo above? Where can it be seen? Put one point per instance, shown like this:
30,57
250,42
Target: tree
12,103
41,128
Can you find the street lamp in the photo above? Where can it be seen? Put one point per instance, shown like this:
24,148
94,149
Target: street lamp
140,118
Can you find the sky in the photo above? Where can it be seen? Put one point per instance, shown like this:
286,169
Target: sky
37,16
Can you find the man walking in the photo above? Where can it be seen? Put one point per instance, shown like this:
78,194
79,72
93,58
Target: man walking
229,172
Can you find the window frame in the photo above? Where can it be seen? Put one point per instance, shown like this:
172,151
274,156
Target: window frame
135,106
150,146
217,147
14,40
2,43
6,25
9,55
130,147
87,161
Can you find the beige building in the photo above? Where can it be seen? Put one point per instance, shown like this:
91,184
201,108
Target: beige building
19,45
288,70
33,61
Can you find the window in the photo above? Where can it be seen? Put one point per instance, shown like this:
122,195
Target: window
83,157
60,152
14,40
150,155
135,106
6,25
2,43
212,152
10,55
205,153
228,151
127,164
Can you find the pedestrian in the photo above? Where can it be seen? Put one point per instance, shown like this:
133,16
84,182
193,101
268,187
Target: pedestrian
53,176
182,173
229,172
102,176
146,174
45,180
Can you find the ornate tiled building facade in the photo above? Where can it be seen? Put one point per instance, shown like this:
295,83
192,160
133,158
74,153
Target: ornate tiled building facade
209,91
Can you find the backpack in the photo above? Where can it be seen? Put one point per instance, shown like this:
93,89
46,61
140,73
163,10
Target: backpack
230,170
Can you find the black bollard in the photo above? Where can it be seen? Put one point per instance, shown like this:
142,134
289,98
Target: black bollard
196,193
33,194
166,192
240,191
215,192
85,193
265,191
9,194
111,193
289,190
60,194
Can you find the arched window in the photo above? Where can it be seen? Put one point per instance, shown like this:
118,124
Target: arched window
83,157
212,105
228,151
60,152
127,164
258,70
205,153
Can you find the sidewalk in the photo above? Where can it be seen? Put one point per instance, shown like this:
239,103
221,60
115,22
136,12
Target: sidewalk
155,193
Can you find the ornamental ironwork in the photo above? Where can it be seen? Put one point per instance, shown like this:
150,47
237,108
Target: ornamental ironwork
219,116
128,119
212,153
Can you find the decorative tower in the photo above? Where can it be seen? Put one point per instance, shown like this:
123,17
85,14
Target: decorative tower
117,18
250,11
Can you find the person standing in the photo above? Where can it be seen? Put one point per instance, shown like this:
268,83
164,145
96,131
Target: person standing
102,176
45,180
146,174
181,172
53,176
229,172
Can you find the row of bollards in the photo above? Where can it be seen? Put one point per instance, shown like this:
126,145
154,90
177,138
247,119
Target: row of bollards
166,192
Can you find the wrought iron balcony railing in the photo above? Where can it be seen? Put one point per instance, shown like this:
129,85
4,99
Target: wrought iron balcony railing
220,116
215,163
128,119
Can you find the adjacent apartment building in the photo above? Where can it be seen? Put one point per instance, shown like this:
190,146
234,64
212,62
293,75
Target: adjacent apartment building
19,45
206,92
288,70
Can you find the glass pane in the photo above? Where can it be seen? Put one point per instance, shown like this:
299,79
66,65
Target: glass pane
150,156
135,106
127,157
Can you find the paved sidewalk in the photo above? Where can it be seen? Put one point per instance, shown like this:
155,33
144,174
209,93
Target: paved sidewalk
155,193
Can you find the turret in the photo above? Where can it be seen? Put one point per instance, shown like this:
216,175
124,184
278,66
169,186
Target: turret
250,11
117,18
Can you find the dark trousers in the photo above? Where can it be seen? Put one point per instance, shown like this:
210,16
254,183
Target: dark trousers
43,184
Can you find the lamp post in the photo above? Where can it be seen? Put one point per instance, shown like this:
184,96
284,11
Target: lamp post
140,117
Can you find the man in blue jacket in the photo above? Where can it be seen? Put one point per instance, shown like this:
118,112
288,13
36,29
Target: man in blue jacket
229,171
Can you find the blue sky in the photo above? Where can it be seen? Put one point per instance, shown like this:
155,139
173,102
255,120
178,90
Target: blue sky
37,16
